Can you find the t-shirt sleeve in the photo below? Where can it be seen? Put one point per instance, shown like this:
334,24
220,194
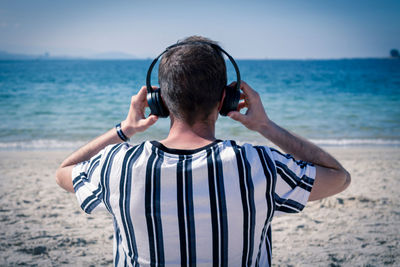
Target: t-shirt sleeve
294,181
87,181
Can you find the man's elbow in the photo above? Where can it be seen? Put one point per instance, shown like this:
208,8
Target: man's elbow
329,182
58,176
63,178
347,179
343,180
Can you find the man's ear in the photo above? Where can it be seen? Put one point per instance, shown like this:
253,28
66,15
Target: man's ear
222,100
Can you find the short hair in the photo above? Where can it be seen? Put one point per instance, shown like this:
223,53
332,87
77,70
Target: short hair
192,78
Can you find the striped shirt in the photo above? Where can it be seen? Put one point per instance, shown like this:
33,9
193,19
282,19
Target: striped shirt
211,206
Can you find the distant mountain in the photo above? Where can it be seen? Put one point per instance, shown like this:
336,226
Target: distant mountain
15,56
11,56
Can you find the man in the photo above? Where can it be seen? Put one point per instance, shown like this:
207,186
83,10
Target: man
191,199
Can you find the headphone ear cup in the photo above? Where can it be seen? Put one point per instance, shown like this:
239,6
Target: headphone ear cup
231,101
156,104
152,103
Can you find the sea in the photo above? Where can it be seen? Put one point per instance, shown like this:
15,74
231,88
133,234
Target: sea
62,104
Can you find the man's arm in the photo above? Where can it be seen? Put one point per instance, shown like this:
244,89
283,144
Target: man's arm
331,178
134,122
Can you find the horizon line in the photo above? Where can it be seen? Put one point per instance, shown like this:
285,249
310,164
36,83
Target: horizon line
5,55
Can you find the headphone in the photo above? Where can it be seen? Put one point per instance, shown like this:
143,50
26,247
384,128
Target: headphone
232,94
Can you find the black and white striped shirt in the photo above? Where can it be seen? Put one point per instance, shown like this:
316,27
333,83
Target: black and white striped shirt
209,206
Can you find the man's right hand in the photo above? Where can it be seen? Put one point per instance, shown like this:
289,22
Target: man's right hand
255,117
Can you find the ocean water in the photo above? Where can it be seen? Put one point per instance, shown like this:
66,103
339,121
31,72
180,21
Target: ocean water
52,104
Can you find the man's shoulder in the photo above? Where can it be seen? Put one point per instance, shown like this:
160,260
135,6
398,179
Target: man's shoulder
120,150
246,145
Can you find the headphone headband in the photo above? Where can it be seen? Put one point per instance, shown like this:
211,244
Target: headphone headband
216,47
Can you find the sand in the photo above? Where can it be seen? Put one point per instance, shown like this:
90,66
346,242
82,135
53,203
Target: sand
41,225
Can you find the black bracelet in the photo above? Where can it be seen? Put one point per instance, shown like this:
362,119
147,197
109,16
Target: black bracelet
121,133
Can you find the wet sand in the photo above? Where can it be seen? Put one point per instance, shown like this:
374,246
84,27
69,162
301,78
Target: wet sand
41,225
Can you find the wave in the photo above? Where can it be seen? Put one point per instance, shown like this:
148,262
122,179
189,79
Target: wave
41,144
51,144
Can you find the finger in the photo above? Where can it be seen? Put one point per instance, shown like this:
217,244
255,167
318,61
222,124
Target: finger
142,94
242,96
146,104
140,99
247,90
150,120
237,116
135,101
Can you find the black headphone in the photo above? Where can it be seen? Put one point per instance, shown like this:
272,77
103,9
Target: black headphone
232,95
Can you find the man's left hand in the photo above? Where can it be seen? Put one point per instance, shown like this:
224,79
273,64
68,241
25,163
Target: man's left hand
136,121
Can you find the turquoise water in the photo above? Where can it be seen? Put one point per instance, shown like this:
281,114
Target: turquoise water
62,104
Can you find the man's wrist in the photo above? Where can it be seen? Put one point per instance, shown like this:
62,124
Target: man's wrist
127,130
265,129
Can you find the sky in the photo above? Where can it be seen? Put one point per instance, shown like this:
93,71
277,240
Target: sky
246,29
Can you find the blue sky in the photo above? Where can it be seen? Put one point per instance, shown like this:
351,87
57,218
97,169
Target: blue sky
246,29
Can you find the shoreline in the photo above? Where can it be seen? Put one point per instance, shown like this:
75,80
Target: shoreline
43,225
326,144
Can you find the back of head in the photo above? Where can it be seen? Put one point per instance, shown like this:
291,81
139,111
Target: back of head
192,78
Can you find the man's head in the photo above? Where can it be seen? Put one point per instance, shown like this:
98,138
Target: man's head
192,78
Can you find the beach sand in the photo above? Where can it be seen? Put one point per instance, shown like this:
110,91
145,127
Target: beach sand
42,225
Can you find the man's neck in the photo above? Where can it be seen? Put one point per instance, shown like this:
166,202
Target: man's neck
184,136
